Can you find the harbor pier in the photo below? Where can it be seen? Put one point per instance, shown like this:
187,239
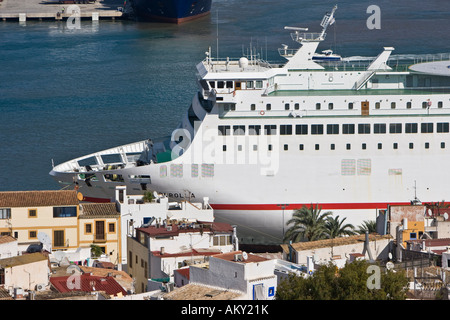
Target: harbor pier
23,10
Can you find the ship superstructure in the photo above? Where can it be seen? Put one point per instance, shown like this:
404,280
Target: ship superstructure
261,140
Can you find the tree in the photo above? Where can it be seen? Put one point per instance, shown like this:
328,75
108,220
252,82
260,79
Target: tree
348,283
308,224
96,251
336,228
369,226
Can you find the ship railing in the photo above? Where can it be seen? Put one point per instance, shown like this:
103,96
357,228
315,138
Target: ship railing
307,36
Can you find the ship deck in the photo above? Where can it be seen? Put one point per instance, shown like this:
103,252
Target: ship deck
362,92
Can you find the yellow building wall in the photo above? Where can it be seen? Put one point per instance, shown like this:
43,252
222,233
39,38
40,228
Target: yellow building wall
28,222
413,227
111,243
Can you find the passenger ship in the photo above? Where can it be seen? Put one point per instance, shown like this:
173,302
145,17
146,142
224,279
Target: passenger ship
261,140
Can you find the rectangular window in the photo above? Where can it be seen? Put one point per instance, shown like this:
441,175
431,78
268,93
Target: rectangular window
380,146
285,129
408,105
286,106
317,106
254,130
32,234
286,147
317,129
238,130
350,105
440,104
270,130
395,128
301,129
332,129
111,227
88,228
230,84
364,146
253,107
220,84
300,147
268,106
395,145
410,127
330,106
332,146
259,84
442,127
317,146
364,128
224,130
392,105
426,127
377,105
64,212
348,128
249,84
379,128
5,213
296,106
32,213
411,145
427,145
442,145
348,146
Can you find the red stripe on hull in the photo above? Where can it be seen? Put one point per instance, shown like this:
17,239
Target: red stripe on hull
293,206
99,200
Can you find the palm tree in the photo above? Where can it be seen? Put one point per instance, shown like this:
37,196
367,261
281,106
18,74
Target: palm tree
369,226
336,228
308,224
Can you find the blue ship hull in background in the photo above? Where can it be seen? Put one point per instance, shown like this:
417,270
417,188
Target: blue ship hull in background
173,11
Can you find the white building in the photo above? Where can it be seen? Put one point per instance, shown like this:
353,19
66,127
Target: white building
250,274
135,213
9,247
157,250
339,250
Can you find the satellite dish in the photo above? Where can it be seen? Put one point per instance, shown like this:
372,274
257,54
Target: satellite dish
446,216
430,213
80,196
155,194
245,255
45,240
389,265
390,255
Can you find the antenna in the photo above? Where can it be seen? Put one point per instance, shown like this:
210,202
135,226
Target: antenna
217,33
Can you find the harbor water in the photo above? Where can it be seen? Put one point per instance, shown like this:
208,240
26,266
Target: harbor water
67,92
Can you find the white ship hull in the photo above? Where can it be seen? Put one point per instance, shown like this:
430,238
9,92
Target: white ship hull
374,137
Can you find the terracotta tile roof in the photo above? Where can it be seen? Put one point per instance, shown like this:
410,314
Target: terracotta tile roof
23,259
88,283
98,210
121,277
433,242
6,239
341,241
14,199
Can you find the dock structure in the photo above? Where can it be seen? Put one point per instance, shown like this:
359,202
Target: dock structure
23,10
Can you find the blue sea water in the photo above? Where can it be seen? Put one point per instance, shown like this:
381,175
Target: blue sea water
68,92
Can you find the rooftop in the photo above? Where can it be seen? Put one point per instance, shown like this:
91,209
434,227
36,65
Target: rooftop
341,241
18,199
23,259
199,292
230,256
176,229
7,239
89,283
98,210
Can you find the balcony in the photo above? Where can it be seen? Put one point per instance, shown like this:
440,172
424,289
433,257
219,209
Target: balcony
99,237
